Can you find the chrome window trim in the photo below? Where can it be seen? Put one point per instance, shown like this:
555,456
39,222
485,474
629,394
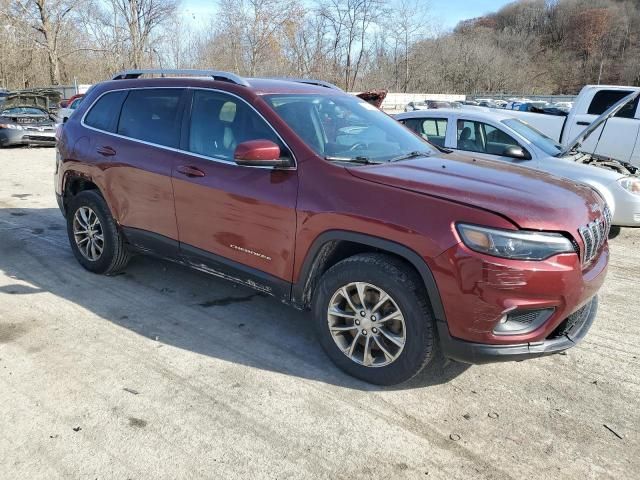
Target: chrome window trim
178,150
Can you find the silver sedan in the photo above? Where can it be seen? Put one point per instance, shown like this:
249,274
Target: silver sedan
496,135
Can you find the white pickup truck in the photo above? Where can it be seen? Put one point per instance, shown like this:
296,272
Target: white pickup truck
620,139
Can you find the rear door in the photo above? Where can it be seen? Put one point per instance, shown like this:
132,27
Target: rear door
135,153
432,129
235,221
620,132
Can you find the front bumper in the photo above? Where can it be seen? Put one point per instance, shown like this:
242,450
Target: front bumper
567,335
10,138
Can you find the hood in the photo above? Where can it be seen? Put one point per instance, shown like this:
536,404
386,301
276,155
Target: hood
20,100
42,98
529,198
606,115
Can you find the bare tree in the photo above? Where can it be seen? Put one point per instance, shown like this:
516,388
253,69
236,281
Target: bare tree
407,24
141,18
48,19
350,22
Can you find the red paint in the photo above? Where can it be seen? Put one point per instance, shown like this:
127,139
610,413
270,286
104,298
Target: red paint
217,206
257,151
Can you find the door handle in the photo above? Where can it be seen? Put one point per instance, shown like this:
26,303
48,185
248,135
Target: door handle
190,171
584,124
106,151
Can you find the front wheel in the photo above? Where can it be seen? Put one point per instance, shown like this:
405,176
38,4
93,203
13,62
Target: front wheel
373,319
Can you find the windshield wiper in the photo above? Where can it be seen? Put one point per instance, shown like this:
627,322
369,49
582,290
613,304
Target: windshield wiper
407,156
360,160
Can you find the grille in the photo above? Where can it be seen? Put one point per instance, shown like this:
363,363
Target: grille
38,129
594,235
41,138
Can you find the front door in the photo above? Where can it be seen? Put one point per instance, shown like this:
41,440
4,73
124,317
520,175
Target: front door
487,142
235,221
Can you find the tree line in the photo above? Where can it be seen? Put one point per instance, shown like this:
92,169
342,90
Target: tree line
529,46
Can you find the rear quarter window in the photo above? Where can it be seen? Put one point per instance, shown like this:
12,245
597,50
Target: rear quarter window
103,115
605,99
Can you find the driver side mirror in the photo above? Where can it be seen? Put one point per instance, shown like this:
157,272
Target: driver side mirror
259,153
514,151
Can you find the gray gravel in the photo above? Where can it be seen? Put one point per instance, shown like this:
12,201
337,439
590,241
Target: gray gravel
163,372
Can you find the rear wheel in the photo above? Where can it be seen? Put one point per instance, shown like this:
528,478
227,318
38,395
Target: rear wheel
93,234
373,319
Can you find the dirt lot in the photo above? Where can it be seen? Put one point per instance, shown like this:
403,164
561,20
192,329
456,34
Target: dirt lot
163,372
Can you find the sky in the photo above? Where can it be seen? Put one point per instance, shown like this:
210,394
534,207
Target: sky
445,13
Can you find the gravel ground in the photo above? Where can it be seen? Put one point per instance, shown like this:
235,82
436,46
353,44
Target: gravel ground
162,372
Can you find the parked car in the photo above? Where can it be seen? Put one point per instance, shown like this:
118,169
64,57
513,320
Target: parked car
66,102
531,106
3,96
64,113
24,122
500,136
565,105
561,112
317,198
618,138
426,105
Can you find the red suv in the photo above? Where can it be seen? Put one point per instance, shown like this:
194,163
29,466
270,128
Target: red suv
315,197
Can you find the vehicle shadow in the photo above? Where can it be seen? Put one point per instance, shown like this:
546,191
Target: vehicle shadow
177,306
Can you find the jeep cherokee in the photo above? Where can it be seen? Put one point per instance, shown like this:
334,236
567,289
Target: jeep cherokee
317,198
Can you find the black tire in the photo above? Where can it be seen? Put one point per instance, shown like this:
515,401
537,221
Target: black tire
114,256
614,231
404,285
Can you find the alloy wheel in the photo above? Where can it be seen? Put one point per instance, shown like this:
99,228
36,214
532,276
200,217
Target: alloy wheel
88,234
366,324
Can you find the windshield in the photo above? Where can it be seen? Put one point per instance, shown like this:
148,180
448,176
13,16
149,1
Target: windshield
22,111
539,139
347,128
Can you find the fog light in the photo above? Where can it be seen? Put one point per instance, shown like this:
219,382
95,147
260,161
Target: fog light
518,322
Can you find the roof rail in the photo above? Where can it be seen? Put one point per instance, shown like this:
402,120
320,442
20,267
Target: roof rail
216,75
309,81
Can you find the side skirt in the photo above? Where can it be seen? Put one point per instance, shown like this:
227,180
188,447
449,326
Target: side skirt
149,243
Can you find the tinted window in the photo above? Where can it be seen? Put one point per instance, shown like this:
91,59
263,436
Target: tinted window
152,115
483,138
220,122
605,99
104,113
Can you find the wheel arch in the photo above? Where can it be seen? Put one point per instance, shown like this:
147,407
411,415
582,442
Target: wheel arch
74,183
335,245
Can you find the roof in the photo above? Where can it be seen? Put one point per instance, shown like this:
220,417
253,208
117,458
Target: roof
225,80
488,114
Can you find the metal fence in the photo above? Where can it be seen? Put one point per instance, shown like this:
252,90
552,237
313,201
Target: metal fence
538,98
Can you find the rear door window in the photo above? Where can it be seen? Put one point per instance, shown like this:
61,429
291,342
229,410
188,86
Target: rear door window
605,99
152,115
431,129
469,137
220,122
103,115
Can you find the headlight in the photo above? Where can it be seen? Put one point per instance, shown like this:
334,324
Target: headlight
10,126
630,184
518,245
